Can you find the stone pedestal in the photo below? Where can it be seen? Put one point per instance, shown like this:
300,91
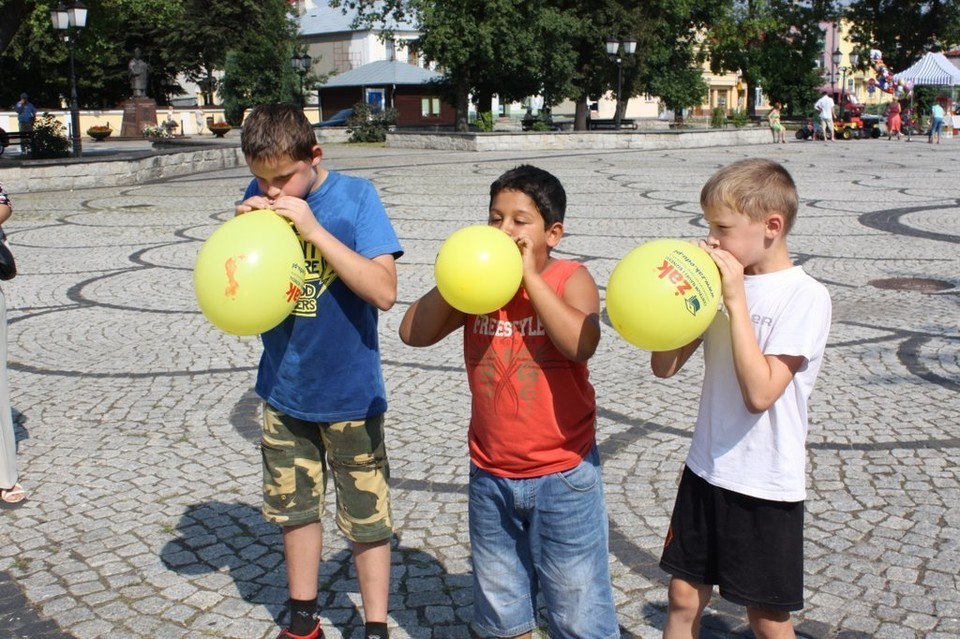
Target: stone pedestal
138,113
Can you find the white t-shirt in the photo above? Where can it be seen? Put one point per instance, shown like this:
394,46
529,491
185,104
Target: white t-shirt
762,455
825,107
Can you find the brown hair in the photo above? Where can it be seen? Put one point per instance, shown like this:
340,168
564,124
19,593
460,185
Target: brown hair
273,131
754,187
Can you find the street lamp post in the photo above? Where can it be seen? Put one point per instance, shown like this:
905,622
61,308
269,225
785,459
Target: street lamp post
613,50
69,19
837,58
301,64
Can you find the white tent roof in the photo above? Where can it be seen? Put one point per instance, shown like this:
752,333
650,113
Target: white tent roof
933,68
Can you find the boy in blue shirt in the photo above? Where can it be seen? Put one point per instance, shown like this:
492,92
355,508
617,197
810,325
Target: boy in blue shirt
320,374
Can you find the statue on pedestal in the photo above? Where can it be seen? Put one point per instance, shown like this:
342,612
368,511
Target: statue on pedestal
139,72
139,111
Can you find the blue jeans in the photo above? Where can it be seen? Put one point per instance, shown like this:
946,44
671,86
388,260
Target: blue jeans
543,534
936,127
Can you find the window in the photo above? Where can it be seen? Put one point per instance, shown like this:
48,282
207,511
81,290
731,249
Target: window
375,99
430,107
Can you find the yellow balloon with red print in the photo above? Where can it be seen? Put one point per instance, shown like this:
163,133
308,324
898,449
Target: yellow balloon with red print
249,273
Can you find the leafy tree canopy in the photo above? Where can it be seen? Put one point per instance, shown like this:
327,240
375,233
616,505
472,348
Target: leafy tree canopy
903,31
774,44
556,48
175,36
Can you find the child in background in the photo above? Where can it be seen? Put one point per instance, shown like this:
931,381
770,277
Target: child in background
776,127
738,517
538,520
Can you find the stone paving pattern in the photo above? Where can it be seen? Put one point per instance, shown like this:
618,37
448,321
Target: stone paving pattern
138,424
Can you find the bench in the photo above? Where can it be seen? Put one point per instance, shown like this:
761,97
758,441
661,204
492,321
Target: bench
14,137
595,124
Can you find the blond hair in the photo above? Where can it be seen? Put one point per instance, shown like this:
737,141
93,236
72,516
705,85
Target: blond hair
274,131
754,187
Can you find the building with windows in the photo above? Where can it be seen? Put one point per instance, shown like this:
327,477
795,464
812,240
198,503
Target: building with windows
337,46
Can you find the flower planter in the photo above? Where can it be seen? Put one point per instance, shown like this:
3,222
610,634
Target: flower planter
99,135
219,131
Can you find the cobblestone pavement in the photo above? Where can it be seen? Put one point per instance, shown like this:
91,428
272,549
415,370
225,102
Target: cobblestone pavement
138,423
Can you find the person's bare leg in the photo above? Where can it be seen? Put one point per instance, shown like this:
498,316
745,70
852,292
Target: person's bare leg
770,624
372,561
302,548
686,603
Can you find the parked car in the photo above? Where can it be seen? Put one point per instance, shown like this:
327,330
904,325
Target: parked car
339,119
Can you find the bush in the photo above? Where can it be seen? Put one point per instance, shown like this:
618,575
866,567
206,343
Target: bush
484,122
739,119
49,138
718,118
370,125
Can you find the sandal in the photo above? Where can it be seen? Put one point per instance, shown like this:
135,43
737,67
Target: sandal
12,496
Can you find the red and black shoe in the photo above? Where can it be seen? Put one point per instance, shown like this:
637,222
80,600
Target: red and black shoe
316,633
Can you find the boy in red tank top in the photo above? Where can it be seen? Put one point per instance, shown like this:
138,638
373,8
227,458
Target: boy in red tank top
538,521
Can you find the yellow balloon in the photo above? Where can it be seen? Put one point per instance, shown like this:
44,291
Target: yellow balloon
663,294
478,269
249,273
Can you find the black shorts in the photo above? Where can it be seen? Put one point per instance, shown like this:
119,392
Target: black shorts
752,548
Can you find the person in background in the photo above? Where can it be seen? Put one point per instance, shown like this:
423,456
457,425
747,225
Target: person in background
11,492
824,107
936,122
776,127
894,122
26,116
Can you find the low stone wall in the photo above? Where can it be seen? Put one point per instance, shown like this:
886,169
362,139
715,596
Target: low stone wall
124,169
578,140
148,166
332,135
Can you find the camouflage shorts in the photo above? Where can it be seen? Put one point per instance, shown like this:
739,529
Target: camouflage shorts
296,456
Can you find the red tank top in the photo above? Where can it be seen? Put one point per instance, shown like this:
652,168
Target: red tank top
533,410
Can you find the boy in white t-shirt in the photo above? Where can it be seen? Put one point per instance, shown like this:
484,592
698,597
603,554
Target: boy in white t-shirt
738,517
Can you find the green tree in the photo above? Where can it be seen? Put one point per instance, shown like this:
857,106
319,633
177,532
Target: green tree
174,36
257,70
903,31
682,89
485,47
12,13
774,44
556,48
207,30
36,58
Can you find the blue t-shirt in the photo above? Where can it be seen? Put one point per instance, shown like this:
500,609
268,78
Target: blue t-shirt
26,113
323,362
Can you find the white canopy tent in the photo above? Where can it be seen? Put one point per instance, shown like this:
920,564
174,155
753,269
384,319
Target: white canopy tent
934,69
931,69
